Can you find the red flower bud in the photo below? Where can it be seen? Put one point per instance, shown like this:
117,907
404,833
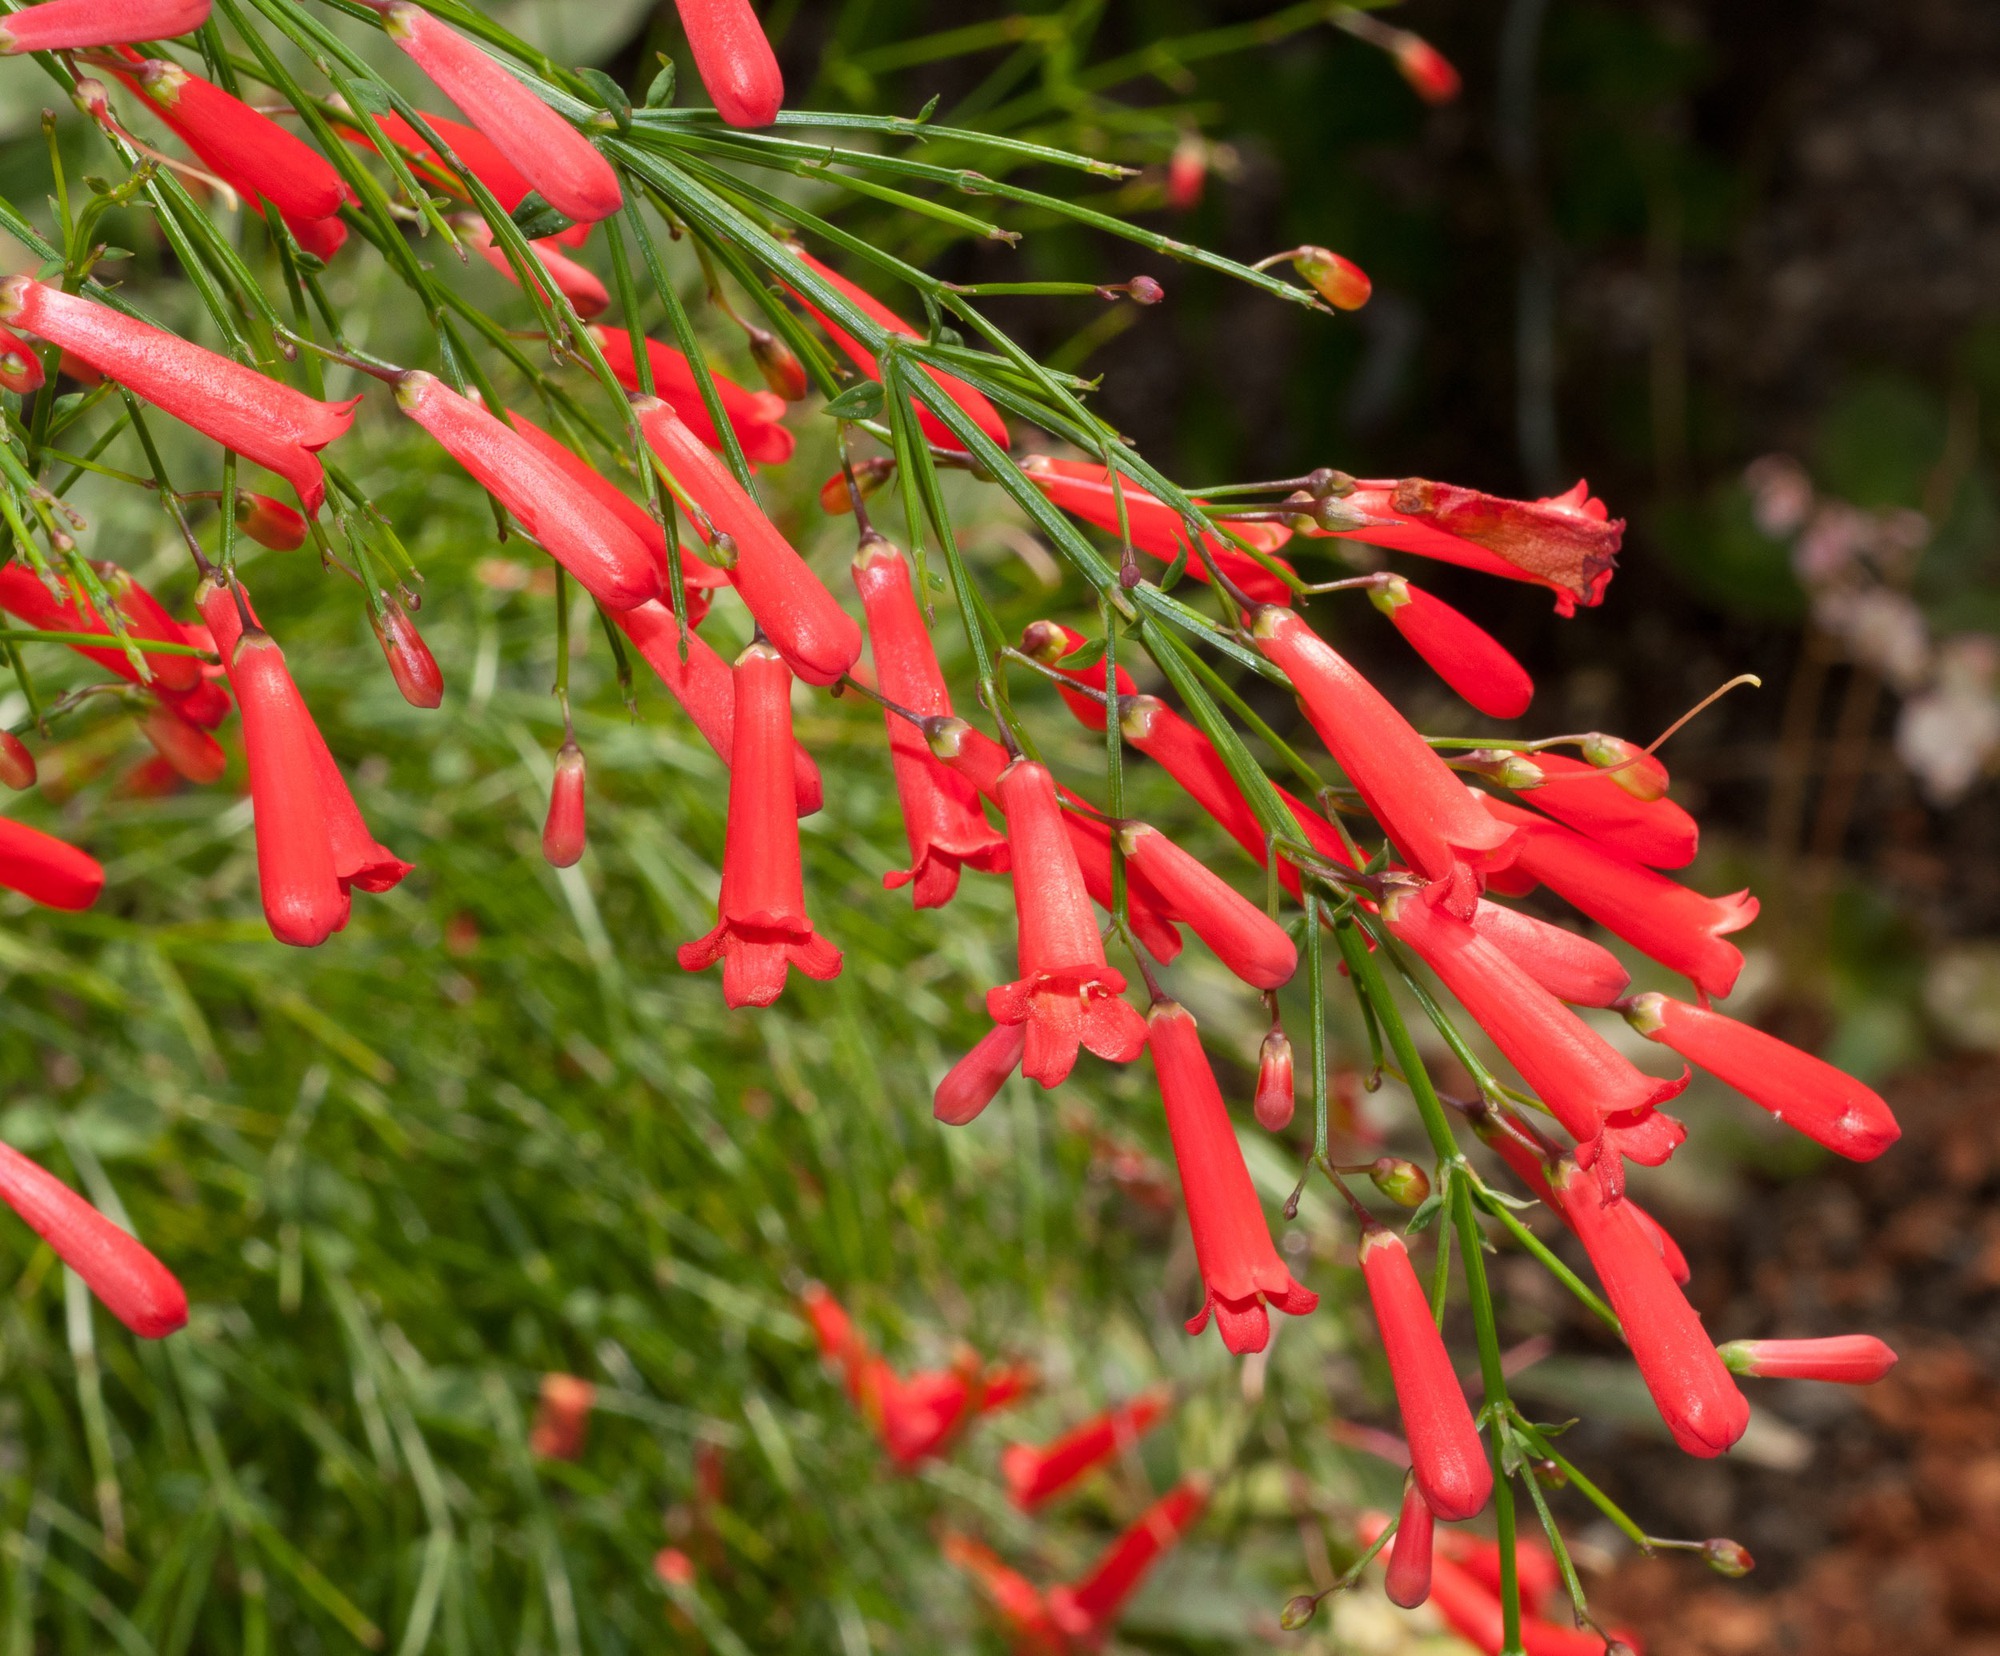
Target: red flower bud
17,764
1845,1359
972,1083
562,833
1693,1391
1463,655
562,1417
1037,1475
1428,70
134,1286
1408,1582
1403,1182
1240,1269
572,524
869,475
981,412
1341,282
762,928
1087,1609
755,416
1067,994
1679,928
1084,490
259,418
1804,1092
579,284
1245,939
45,870
1421,806
1273,1101
1566,963
1187,172
74,25
1446,1455
270,522
411,663
817,638
193,753
1655,832
1727,1558
20,368
941,813
784,375
702,685
1594,1091
735,61
1629,765
546,150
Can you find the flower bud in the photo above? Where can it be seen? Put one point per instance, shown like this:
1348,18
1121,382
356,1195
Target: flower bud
17,764
1429,71
869,475
270,522
1631,766
1726,1557
1403,1182
20,368
1502,765
411,663
192,752
1141,290
563,832
1845,1359
1274,1083
1341,282
1298,1612
781,369
1187,172
1409,1578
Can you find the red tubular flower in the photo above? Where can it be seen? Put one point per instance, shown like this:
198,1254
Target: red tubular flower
546,150
474,151
1187,172
981,412
1408,1582
270,522
918,1417
1844,1359
941,812
74,25
135,1287
1535,1566
1602,1101
1804,1092
358,859
1564,543
1067,994
563,832
703,687
755,416
572,524
971,1083
17,764
411,663
831,1325
193,753
1569,966
1656,832
248,149
304,902
1273,1100
1087,1609
579,284
1423,808
762,929
22,594
1084,490
1037,1475
1240,1270
1018,1600
1465,656
1446,1455
1679,928
45,870
983,760
737,67
1691,1388
20,368
1049,642
817,638
238,407
207,704
562,1417
1429,71
1245,939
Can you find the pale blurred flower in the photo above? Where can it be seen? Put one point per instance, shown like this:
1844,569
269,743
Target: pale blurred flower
1882,629
1949,735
